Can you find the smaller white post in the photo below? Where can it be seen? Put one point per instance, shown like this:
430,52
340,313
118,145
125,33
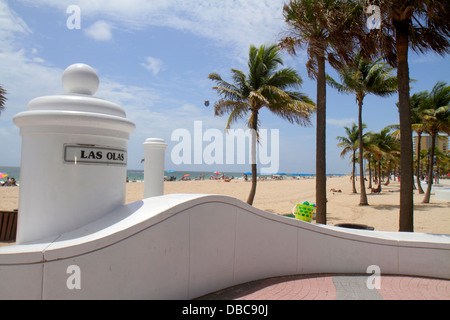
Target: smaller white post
154,167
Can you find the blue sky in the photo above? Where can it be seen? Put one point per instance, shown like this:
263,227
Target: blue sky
153,59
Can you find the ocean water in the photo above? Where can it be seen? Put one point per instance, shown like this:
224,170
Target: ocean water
12,172
138,175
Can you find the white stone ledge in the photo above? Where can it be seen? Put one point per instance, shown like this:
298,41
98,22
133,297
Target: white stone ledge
181,246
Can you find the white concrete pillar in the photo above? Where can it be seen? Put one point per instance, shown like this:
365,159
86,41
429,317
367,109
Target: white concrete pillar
74,156
154,167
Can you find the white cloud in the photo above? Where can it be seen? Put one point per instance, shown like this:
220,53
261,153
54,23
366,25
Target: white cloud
10,21
26,80
35,58
5,132
188,109
99,31
341,122
235,24
38,60
11,26
153,65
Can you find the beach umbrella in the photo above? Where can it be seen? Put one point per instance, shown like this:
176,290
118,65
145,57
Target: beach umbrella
186,175
247,173
3,175
170,171
217,172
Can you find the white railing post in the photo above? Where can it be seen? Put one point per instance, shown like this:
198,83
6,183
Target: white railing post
154,167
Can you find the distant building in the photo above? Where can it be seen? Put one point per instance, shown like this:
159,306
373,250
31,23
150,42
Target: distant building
425,143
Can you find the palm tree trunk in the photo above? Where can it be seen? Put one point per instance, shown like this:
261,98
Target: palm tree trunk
379,174
354,172
426,199
375,174
437,171
251,196
406,220
321,178
388,173
363,197
419,187
370,173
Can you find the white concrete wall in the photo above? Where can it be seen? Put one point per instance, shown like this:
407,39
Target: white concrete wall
184,246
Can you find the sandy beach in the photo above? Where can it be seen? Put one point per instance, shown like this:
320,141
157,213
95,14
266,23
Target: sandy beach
279,197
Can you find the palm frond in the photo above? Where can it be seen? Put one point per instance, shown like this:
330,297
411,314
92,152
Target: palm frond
223,106
264,86
237,113
336,85
225,89
2,99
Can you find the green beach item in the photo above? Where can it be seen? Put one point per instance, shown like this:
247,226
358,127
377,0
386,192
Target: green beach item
304,211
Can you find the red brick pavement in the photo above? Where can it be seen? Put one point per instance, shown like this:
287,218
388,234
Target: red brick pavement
414,288
332,287
303,288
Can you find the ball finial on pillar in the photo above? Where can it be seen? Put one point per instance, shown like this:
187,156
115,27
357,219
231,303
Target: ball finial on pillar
81,79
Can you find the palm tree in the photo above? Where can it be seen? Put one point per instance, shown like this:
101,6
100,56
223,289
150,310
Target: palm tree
436,119
385,145
423,26
361,78
441,161
264,86
370,148
417,106
393,161
369,157
324,28
350,144
2,99
424,157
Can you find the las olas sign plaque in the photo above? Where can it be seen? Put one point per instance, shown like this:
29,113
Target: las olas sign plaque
90,154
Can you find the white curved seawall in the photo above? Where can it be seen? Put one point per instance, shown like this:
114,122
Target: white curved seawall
182,246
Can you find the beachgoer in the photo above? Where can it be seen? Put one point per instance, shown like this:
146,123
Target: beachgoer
7,183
